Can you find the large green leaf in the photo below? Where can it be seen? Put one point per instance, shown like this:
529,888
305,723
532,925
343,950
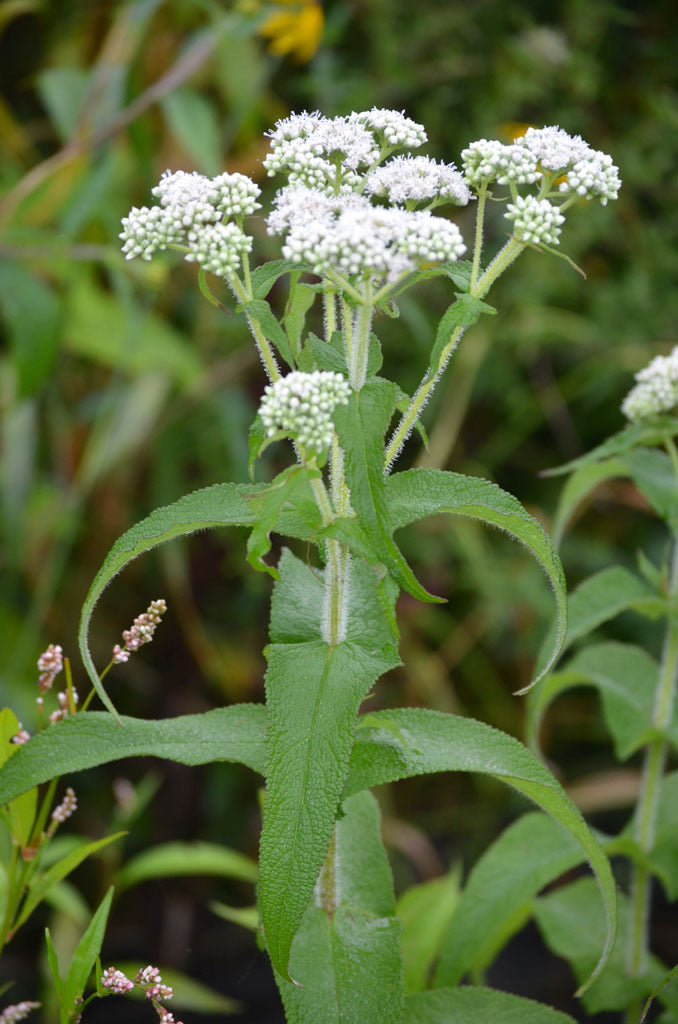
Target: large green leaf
403,742
221,505
361,426
236,733
478,1006
418,493
573,927
313,693
171,859
499,895
626,677
346,956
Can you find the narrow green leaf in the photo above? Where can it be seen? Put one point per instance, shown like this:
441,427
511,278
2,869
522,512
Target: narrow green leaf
633,436
22,816
652,472
425,911
500,891
172,859
572,926
313,695
625,677
246,917
265,276
433,741
302,297
656,991
578,486
53,964
476,1005
221,505
260,311
90,738
346,959
418,493
464,312
361,426
42,884
85,955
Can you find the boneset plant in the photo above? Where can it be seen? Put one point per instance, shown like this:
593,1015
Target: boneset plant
360,225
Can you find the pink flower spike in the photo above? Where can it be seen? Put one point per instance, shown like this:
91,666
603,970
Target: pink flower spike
116,981
17,1012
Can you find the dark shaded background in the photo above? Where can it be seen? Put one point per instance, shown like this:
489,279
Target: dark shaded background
121,389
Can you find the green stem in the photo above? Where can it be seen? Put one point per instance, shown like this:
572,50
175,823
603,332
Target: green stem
499,264
645,822
478,243
330,309
265,350
357,364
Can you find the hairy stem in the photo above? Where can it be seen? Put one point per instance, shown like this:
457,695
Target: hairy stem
357,365
645,822
244,294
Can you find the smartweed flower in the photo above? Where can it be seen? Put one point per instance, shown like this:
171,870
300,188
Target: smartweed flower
141,631
17,1012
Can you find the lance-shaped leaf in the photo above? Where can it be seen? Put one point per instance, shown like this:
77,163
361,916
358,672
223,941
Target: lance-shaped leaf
90,738
464,312
260,311
418,493
84,958
499,895
626,678
171,859
361,426
313,693
414,741
653,473
221,505
265,276
346,955
578,486
634,436
425,911
476,1005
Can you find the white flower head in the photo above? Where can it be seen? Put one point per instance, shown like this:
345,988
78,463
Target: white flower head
656,391
553,147
535,220
488,160
418,179
218,247
309,148
145,230
302,405
364,240
393,127
298,204
588,172
595,176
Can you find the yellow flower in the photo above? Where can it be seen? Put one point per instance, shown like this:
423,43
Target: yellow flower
296,31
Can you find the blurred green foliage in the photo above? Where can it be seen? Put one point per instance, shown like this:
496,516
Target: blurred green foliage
121,388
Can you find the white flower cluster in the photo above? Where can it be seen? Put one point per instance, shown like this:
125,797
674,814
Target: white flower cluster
418,179
302,404
656,391
328,153
489,160
586,172
535,220
191,214
66,808
352,237
141,631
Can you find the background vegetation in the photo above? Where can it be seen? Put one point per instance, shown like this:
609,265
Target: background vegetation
121,389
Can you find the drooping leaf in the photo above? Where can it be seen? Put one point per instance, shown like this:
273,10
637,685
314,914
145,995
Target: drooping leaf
418,493
171,859
346,957
425,911
499,894
361,426
572,926
313,693
220,505
626,678
90,738
472,1005
417,741
84,957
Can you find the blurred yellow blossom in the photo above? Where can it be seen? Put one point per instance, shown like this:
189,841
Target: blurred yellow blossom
296,30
